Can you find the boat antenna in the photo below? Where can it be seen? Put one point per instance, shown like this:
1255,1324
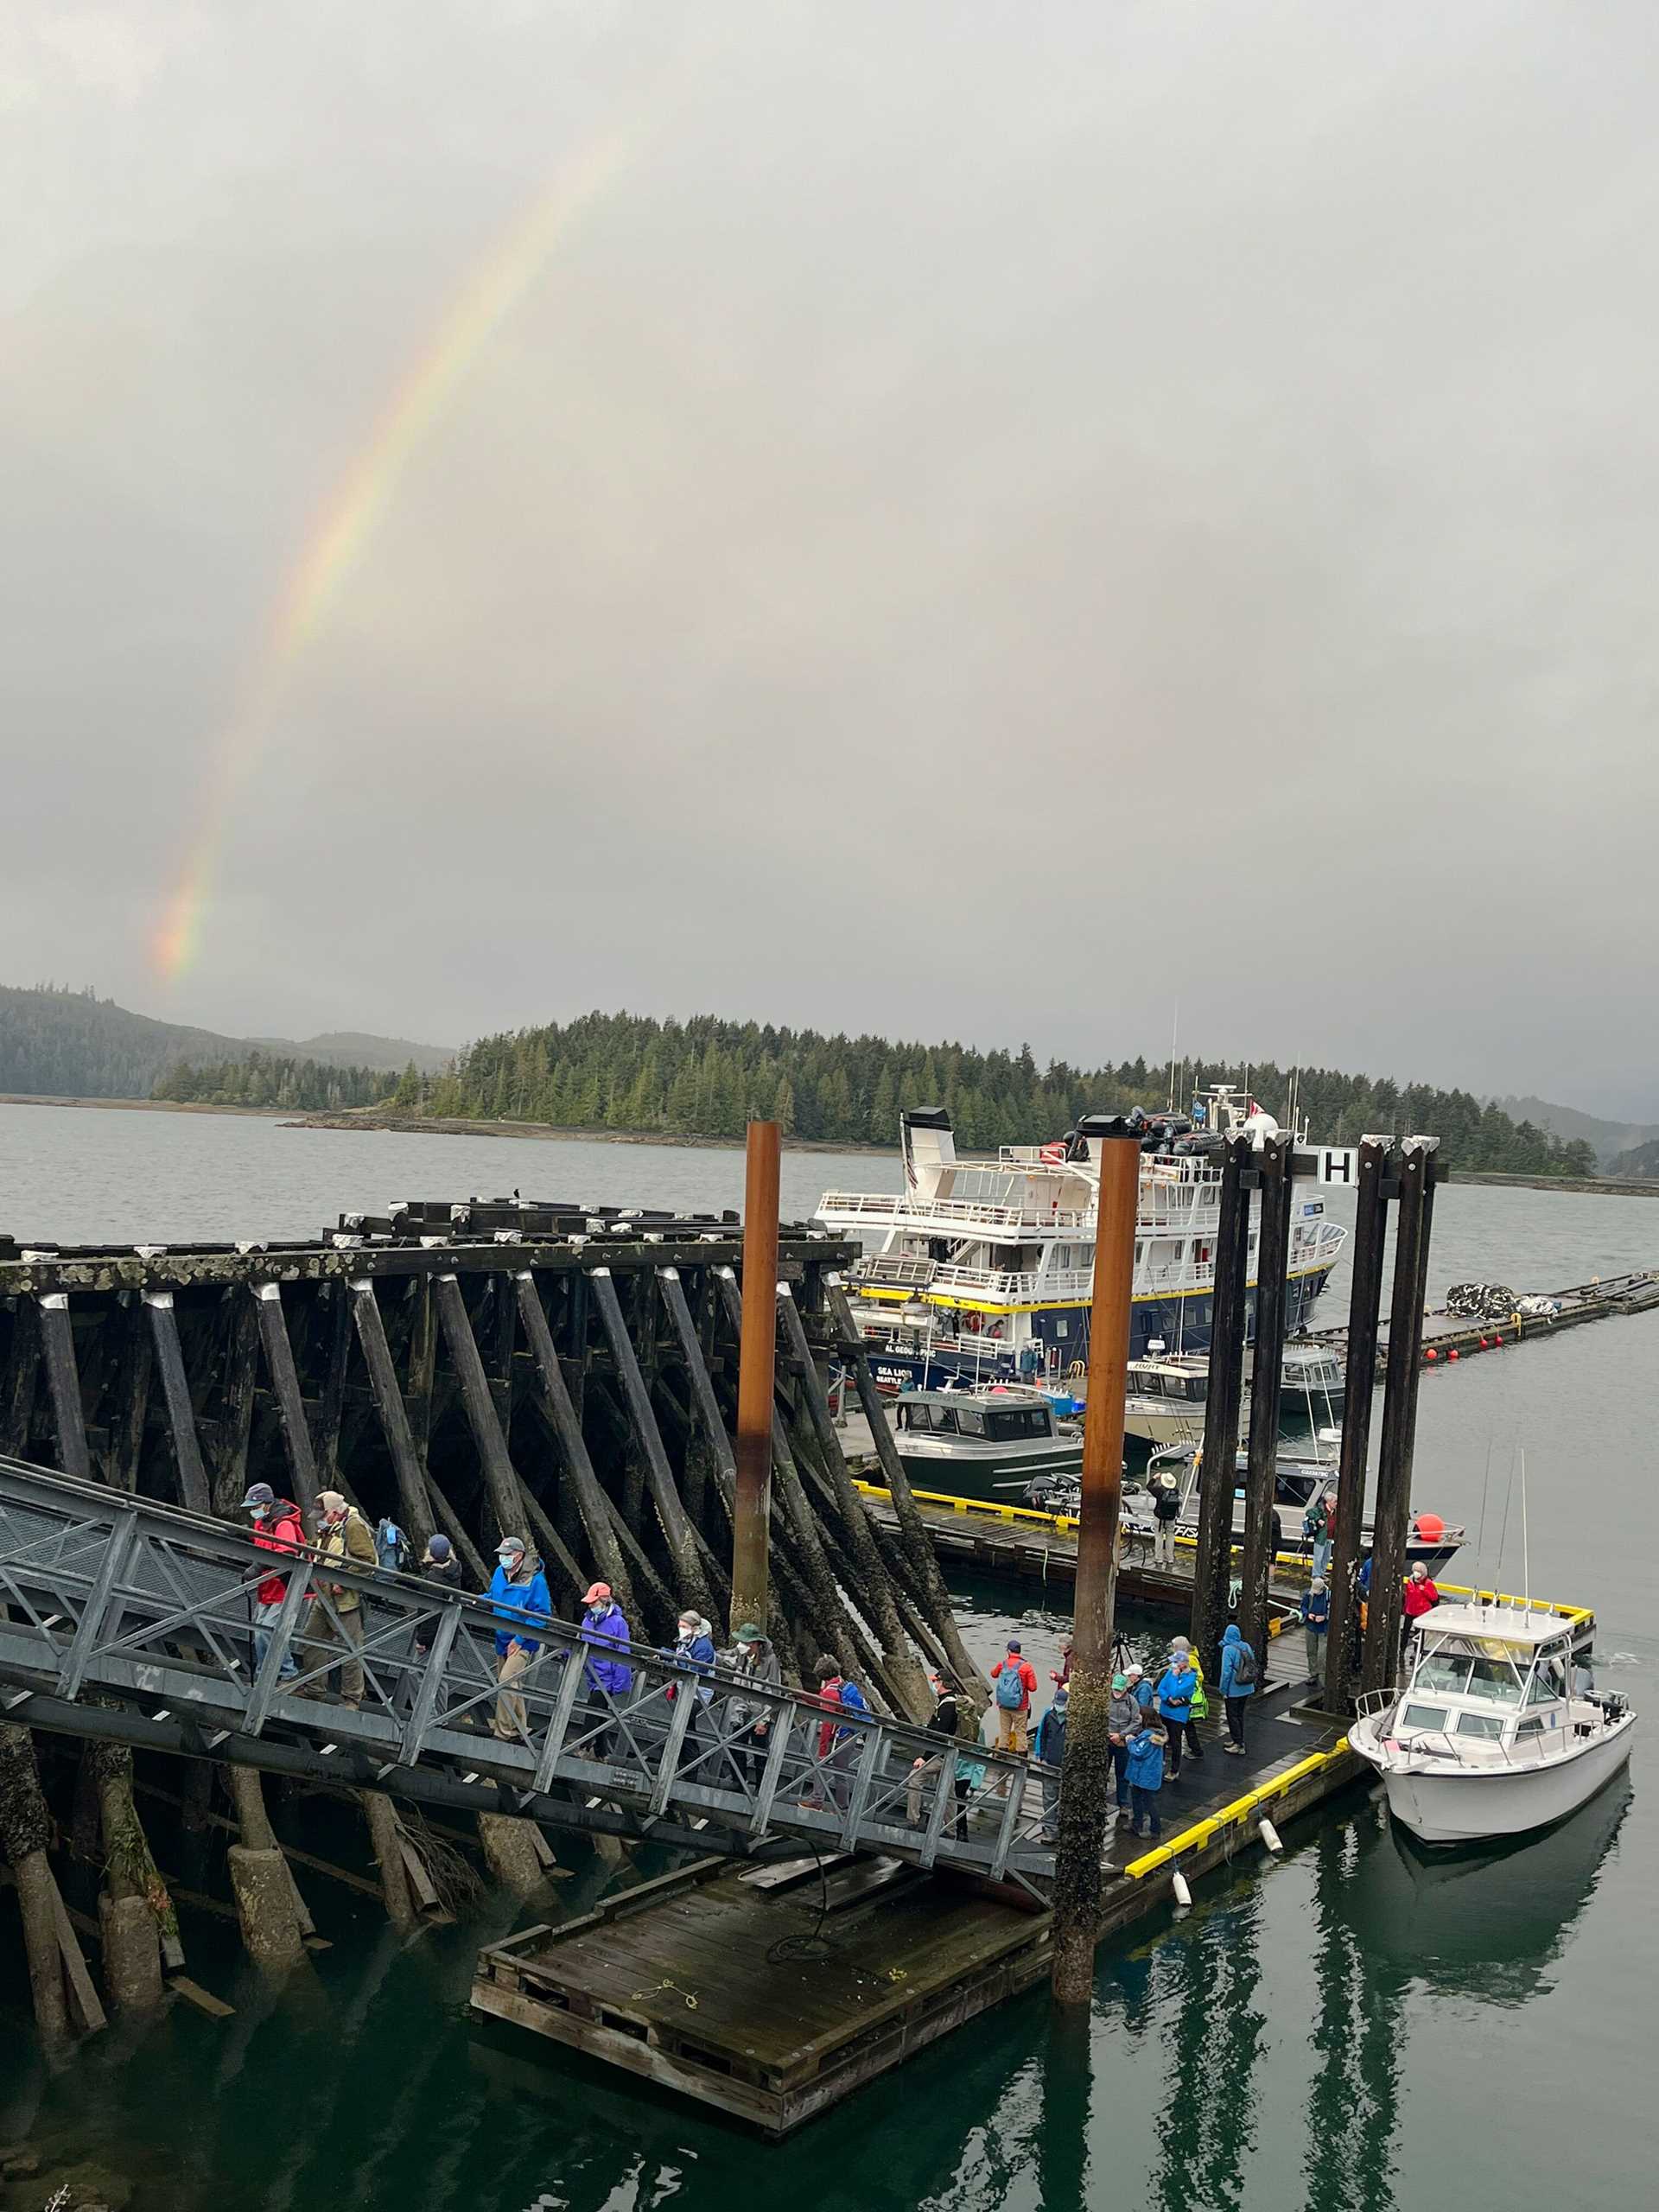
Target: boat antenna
1174,1038
1480,1539
1504,1531
1526,1556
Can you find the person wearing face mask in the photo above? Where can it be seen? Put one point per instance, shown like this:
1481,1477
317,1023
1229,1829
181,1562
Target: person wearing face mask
276,1528
519,1594
345,1538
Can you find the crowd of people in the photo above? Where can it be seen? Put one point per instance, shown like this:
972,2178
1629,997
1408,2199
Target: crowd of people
1154,1717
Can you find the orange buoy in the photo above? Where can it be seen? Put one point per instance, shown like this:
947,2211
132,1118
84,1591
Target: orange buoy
1431,1355
1498,1343
1430,1528
1483,1343
1452,1353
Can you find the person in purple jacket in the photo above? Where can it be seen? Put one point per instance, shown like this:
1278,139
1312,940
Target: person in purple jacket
608,1677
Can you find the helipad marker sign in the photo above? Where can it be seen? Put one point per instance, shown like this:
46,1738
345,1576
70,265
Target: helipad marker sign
1331,1163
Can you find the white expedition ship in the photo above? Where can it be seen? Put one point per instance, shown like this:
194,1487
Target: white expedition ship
983,1272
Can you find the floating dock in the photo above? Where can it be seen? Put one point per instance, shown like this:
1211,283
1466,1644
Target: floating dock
774,1994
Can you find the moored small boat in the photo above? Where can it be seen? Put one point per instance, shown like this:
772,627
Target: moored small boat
1492,1735
990,1445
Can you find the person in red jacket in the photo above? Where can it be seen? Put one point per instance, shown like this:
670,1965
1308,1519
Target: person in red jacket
276,1528
1012,1697
1420,1599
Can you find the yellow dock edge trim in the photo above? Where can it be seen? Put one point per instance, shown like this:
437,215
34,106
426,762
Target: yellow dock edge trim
1240,1810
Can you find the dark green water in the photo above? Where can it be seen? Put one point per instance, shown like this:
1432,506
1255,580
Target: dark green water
1352,2026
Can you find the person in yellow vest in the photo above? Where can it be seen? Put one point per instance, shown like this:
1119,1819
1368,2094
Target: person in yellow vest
1200,1711
344,1537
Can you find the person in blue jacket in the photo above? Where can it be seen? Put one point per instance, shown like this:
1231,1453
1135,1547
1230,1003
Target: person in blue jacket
695,1648
1177,1688
518,1597
1146,1750
1238,1676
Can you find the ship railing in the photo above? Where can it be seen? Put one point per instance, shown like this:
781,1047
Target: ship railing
945,1216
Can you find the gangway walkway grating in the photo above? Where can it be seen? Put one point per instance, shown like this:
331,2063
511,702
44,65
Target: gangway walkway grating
121,1616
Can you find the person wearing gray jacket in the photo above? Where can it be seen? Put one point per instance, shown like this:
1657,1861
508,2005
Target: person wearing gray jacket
754,1659
1124,1715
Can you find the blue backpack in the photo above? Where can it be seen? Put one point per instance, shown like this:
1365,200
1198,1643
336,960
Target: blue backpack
1010,1689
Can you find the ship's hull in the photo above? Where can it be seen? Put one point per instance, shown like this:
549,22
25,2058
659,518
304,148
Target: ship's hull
1479,1805
1179,1324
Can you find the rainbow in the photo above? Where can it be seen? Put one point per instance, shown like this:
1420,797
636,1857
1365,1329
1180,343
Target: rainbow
356,502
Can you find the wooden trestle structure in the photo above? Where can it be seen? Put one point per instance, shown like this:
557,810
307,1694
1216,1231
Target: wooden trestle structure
564,1372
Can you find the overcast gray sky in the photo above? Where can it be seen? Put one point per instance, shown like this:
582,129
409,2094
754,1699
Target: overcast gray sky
983,520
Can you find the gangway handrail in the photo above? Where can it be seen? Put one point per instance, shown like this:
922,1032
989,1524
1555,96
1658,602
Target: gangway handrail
108,1596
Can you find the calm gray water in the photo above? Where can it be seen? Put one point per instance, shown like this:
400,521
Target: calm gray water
1346,2028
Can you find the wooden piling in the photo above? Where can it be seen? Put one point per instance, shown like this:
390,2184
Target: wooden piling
1364,1306
290,1406
61,1988
500,1477
576,1470
394,1415
63,1379
1213,1571
194,1490
22,1372
647,1446
757,1353
241,1364
129,1414
1087,1771
1391,1520
1261,1520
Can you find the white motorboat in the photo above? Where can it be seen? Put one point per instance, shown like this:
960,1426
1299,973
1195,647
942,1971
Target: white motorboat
1490,1736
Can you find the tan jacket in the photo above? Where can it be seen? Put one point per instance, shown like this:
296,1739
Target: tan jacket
352,1542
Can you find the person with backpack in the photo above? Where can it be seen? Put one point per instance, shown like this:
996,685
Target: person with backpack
1165,1512
276,1528
836,1746
1238,1679
1316,1622
1145,1770
966,1773
1313,1527
1050,1752
1013,1682
345,1538
390,1547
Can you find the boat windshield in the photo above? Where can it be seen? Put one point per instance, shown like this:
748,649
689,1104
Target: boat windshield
1008,1424
1461,1666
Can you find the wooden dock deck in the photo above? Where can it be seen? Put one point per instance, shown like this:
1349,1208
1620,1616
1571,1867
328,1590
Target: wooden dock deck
773,1992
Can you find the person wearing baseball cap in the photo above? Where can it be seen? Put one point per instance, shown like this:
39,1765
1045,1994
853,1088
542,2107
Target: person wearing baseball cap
519,1594
276,1528
605,1626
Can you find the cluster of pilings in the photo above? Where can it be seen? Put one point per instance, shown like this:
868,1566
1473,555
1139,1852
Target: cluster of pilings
568,1373
1389,1174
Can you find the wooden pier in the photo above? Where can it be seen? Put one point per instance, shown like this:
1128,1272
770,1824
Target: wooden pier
773,1995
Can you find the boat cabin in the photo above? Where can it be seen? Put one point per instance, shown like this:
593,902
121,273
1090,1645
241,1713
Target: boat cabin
995,1417
1490,1683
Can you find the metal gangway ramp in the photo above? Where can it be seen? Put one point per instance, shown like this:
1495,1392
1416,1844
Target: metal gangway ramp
125,1619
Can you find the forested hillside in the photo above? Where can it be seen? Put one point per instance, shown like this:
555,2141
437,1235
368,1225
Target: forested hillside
1642,1159
706,1077
61,1044
273,1079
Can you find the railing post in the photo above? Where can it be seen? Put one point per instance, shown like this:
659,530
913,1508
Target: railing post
111,1567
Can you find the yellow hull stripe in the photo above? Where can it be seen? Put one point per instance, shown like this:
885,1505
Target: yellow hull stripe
1056,1304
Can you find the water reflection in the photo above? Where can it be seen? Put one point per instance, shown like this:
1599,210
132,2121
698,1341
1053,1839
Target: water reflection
1488,1923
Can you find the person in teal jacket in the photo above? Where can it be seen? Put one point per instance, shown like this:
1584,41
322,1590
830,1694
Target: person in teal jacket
1238,1673
1177,1688
1146,1750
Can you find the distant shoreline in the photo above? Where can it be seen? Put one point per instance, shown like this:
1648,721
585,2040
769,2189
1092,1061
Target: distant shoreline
1610,1186
147,1105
